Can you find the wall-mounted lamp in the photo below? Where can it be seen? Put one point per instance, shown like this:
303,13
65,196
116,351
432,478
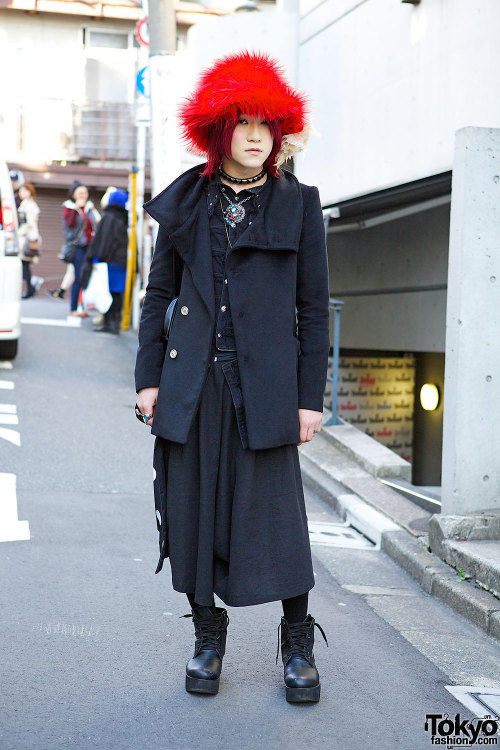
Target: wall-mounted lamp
429,397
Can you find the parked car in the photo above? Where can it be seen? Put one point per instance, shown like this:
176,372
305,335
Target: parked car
11,276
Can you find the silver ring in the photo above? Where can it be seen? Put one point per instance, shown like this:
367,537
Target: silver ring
145,418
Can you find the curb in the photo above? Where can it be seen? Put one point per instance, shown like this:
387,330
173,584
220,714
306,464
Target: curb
438,579
407,550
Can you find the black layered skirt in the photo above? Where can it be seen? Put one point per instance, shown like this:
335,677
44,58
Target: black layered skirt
232,520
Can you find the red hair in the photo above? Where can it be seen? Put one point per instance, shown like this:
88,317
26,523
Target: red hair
219,146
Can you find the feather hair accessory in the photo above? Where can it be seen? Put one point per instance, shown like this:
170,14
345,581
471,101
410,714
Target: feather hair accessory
246,82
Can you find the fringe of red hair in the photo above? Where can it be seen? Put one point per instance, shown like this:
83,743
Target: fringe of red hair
219,146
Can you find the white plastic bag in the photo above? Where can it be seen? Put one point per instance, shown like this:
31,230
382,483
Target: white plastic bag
96,297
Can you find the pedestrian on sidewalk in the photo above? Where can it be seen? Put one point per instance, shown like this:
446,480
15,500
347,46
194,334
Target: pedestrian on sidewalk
80,218
16,179
66,283
109,245
240,382
28,213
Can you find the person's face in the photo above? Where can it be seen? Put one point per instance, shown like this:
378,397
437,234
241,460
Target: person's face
251,144
81,195
24,193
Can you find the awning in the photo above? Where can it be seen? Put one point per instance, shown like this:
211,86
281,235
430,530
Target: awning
410,193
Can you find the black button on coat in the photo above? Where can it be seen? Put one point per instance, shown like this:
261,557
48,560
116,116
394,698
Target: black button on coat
277,278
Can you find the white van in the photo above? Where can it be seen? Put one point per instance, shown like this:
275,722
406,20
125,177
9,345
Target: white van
11,274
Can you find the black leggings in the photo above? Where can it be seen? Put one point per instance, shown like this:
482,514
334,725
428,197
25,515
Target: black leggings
30,289
294,609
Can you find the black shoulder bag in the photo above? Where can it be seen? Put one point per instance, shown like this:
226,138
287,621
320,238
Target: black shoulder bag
172,308
68,250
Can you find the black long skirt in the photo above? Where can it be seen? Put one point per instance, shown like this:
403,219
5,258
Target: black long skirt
236,519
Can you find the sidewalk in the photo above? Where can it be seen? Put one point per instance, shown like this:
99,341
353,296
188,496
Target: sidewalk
455,559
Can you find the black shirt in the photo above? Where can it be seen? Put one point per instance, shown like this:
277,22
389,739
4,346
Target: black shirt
252,200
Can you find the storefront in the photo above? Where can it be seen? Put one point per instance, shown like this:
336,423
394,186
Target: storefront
388,254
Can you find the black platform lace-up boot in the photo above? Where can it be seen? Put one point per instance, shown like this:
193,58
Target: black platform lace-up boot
203,670
300,673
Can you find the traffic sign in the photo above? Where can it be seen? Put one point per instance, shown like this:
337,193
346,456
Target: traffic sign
142,32
142,81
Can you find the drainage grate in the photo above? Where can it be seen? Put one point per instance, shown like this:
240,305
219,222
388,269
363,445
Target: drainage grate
479,700
337,535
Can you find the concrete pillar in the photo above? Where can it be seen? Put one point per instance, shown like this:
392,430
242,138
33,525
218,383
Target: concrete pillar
471,430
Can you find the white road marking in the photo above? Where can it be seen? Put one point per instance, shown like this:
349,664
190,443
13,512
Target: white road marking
5,365
8,416
11,529
8,419
68,323
7,385
13,436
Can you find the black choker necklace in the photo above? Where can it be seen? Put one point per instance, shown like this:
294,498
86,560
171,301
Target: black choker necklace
241,180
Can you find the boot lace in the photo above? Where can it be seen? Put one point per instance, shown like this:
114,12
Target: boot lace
298,640
208,631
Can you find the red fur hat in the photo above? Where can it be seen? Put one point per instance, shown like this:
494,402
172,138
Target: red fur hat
249,82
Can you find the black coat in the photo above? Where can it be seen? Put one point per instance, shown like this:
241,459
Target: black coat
277,277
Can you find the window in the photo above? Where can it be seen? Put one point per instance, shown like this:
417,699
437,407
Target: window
107,39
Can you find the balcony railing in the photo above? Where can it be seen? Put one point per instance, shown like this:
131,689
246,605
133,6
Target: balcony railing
103,131
61,130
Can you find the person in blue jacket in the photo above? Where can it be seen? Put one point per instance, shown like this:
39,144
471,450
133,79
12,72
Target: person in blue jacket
109,245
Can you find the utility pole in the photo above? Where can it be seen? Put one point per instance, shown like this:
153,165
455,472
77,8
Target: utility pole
165,156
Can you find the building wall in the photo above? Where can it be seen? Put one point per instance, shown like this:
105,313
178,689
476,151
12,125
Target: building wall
376,395
408,252
390,84
51,72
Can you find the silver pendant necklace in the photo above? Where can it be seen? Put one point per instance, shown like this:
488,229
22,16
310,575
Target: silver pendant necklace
234,212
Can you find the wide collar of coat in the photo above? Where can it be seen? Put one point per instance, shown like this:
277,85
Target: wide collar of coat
181,210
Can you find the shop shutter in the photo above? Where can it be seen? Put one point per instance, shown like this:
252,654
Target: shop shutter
50,225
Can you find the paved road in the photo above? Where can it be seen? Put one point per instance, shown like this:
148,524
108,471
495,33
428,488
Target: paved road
93,646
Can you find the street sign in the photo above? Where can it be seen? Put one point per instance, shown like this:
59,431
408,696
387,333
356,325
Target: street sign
142,81
141,32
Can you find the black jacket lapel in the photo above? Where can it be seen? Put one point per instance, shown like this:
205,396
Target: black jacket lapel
181,210
192,241
279,226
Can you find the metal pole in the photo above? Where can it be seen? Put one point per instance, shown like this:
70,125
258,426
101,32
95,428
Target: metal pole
139,200
336,306
132,252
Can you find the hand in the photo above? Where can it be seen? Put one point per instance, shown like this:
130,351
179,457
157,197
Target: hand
80,202
146,401
309,423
